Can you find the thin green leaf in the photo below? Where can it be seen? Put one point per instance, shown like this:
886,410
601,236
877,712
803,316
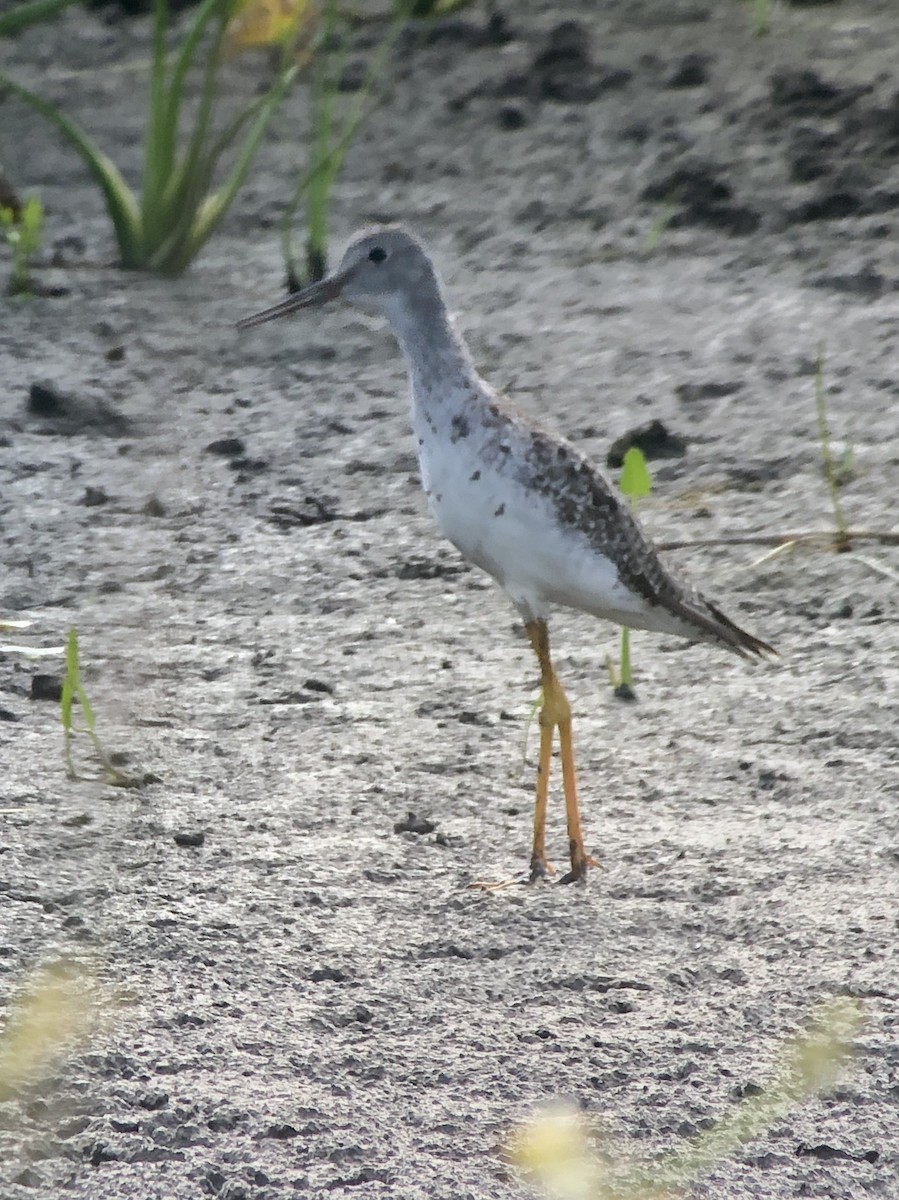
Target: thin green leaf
23,16
68,683
208,93
328,159
173,179
86,707
636,480
120,200
627,677
535,708
170,256
214,207
830,474
157,145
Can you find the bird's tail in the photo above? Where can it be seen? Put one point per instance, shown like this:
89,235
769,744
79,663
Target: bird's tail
719,628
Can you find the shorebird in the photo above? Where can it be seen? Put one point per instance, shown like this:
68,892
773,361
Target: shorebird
518,501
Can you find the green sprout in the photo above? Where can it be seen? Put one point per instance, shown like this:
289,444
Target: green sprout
635,483
555,1151
22,233
835,473
72,690
333,134
656,231
761,17
164,226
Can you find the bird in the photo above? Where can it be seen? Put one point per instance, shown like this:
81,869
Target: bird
518,501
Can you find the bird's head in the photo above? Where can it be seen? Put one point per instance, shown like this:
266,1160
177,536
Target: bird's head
381,268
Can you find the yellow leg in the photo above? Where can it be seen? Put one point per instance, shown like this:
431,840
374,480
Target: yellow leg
540,868
556,712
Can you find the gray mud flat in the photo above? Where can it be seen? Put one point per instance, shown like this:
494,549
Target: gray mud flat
316,1002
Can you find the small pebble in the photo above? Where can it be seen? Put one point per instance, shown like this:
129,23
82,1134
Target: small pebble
414,824
46,687
227,447
190,838
511,117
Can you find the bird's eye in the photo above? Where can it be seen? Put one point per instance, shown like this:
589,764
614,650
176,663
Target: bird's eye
377,254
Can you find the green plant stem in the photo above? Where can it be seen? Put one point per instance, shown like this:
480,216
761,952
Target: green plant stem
120,202
761,17
883,537
841,539
324,91
23,16
330,146
22,233
635,482
177,209
72,689
627,678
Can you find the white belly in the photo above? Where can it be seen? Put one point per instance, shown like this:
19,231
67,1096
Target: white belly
513,534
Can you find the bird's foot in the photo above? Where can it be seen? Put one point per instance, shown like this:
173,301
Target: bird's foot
580,862
540,869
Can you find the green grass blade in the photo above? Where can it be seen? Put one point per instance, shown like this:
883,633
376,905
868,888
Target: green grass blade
328,68
66,700
535,708
167,181
68,683
213,208
830,468
627,677
23,16
635,482
329,158
209,91
120,201
169,255
89,719
158,145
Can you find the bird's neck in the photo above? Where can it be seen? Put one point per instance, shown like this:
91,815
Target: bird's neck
441,370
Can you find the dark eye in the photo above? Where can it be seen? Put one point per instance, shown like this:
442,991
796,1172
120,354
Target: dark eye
377,254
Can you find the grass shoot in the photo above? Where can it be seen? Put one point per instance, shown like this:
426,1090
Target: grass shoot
635,483
72,690
761,17
333,133
835,473
556,1151
22,232
164,225
32,12
656,231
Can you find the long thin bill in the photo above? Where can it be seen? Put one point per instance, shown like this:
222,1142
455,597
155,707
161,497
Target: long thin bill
317,293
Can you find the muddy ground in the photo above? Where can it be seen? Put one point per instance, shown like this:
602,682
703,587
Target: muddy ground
651,215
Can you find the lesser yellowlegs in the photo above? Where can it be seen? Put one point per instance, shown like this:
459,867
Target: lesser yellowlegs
518,501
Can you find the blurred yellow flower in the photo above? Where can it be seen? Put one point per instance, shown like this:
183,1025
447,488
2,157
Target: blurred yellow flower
267,23
58,1011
